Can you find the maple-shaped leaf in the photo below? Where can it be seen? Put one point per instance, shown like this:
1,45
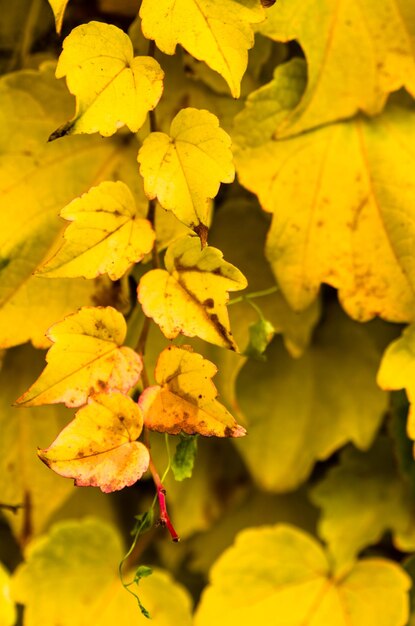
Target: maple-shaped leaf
58,7
218,32
99,448
397,371
106,236
183,170
362,498
190,295
357,53
283,572
184,400
70,577
87,357
112,87
342,198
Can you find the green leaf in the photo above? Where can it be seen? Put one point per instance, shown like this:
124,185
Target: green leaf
261,334
184,457
282,572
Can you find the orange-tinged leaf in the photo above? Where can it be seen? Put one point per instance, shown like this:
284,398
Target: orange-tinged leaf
112,87
185,398
99,448
87,357
106,235
184,169
190,296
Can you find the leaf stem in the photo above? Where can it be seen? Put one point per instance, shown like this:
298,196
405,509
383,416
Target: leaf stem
254,294
161,496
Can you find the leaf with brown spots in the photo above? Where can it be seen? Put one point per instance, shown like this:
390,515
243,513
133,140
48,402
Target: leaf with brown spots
87,357
99,448
184,400
190,296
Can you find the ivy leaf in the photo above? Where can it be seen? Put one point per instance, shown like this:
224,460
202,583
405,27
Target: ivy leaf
184,457
339,402
99,448
184,169
397,370
333,193
357,53
283,572
184,400
112,87
190,296
58,7
70,577
218,32
7,607
361,499
107,235
87,357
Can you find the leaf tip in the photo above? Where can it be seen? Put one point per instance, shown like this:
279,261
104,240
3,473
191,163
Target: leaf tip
63,130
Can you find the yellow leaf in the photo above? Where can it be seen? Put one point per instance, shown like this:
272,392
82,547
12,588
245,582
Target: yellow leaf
86,357
70,577
282,572
397,371
99,448
112,87
107,235
184,169
58,7
184,400
218,32
23,480
190,296
334,193
357,52
7,607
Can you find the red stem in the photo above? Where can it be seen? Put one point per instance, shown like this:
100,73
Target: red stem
161,496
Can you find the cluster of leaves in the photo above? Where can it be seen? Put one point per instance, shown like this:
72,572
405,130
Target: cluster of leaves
113,250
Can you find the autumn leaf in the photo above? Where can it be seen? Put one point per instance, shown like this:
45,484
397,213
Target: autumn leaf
191,294
106,236
334,194
184,399
184,169
7,606
112,87
362,498
357,53
70,577
284,572
87,357
218,32
58,7
99,448
397,370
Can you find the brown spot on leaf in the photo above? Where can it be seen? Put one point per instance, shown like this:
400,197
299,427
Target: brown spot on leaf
209,303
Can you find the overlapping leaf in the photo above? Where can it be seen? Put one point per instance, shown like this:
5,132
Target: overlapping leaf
184,400
190,296
58,7
87,357
106,236
361,499
99,448
283,572
218,32
112,87
184,169
357,52
70,577
298,411
343,199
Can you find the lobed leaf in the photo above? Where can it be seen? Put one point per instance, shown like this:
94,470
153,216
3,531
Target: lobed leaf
112,87
184,169
99,448
107,235
184,400
283,572
190,296
87,357
218,32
